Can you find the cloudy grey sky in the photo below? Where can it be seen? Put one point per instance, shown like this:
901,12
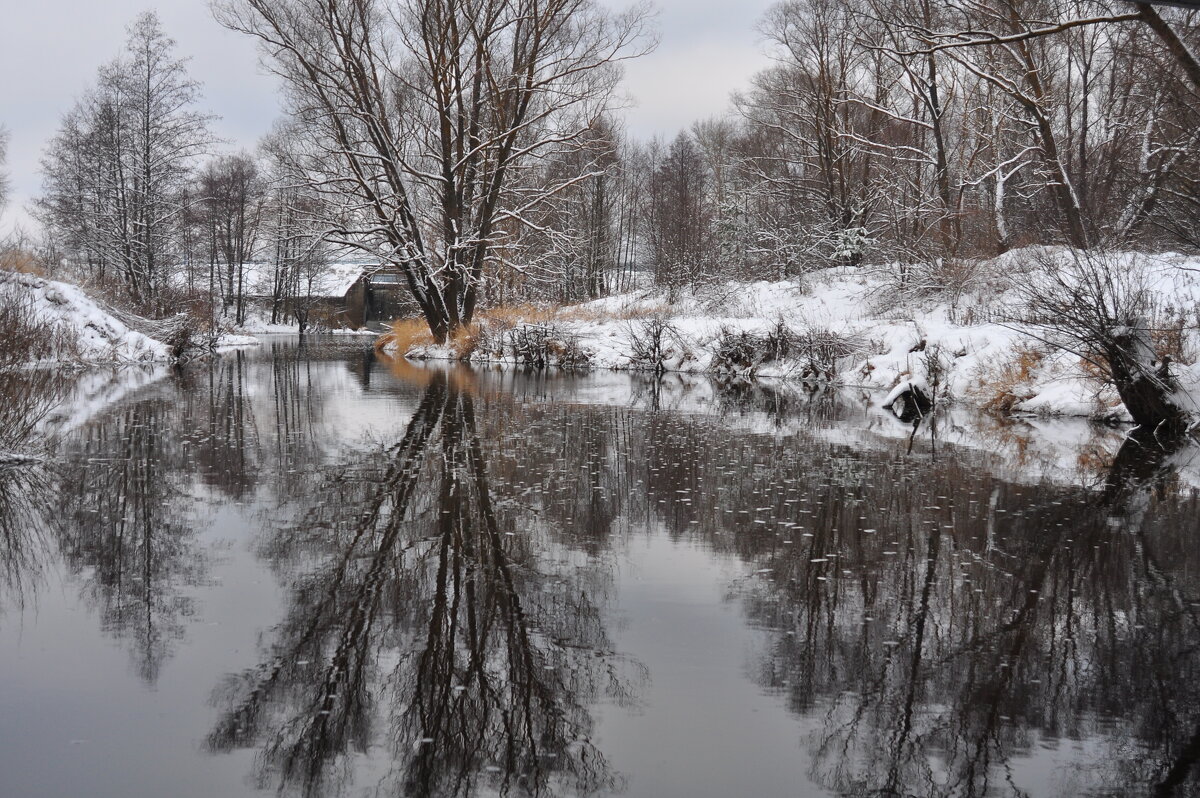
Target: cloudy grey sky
50,49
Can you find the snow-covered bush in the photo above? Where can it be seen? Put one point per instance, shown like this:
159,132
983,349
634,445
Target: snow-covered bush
538,346
655,344
851,244
815,354
948,281
823,352
497,335
738,352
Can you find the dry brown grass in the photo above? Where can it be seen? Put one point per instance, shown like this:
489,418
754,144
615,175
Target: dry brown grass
1170,339
22,261
625,313
1000,386
491,323
509,316
466,340
405,334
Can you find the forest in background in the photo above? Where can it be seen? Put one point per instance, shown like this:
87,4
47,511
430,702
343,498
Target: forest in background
921,136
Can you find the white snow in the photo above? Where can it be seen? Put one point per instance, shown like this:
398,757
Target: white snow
979,358
334,280
91,335
98,336
904,387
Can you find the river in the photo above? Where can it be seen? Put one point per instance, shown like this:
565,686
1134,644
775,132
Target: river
304,570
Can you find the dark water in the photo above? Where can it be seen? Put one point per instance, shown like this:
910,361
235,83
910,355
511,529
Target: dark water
305,572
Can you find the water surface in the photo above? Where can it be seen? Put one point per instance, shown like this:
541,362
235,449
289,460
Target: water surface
303,571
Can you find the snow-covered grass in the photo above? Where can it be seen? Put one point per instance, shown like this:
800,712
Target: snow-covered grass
962,341
75,328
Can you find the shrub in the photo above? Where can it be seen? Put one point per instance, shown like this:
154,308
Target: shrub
816,353
653,342
821,352
737,352
538,346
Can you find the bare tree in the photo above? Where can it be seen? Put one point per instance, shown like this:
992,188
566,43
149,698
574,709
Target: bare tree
418,115
567,249
677,214
232,196
801,100
114,173
291,231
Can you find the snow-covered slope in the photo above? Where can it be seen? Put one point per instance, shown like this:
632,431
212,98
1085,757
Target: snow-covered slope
88,333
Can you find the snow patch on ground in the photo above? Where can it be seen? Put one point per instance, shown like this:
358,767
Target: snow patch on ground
228,342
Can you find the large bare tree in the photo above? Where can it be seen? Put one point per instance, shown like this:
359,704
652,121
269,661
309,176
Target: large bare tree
231,208
419,116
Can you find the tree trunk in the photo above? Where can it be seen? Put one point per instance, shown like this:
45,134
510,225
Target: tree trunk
1177,47
1149,391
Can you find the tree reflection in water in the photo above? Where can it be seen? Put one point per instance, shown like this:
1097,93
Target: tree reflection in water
947,625
429,620
26,397
125,523
24,543
134,485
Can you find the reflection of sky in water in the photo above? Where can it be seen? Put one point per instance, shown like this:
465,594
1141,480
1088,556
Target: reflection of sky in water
714,592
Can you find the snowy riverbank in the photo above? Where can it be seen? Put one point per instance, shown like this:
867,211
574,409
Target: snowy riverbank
66,357
859,327
79,331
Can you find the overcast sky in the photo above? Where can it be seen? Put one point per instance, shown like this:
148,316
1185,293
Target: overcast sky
50,49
